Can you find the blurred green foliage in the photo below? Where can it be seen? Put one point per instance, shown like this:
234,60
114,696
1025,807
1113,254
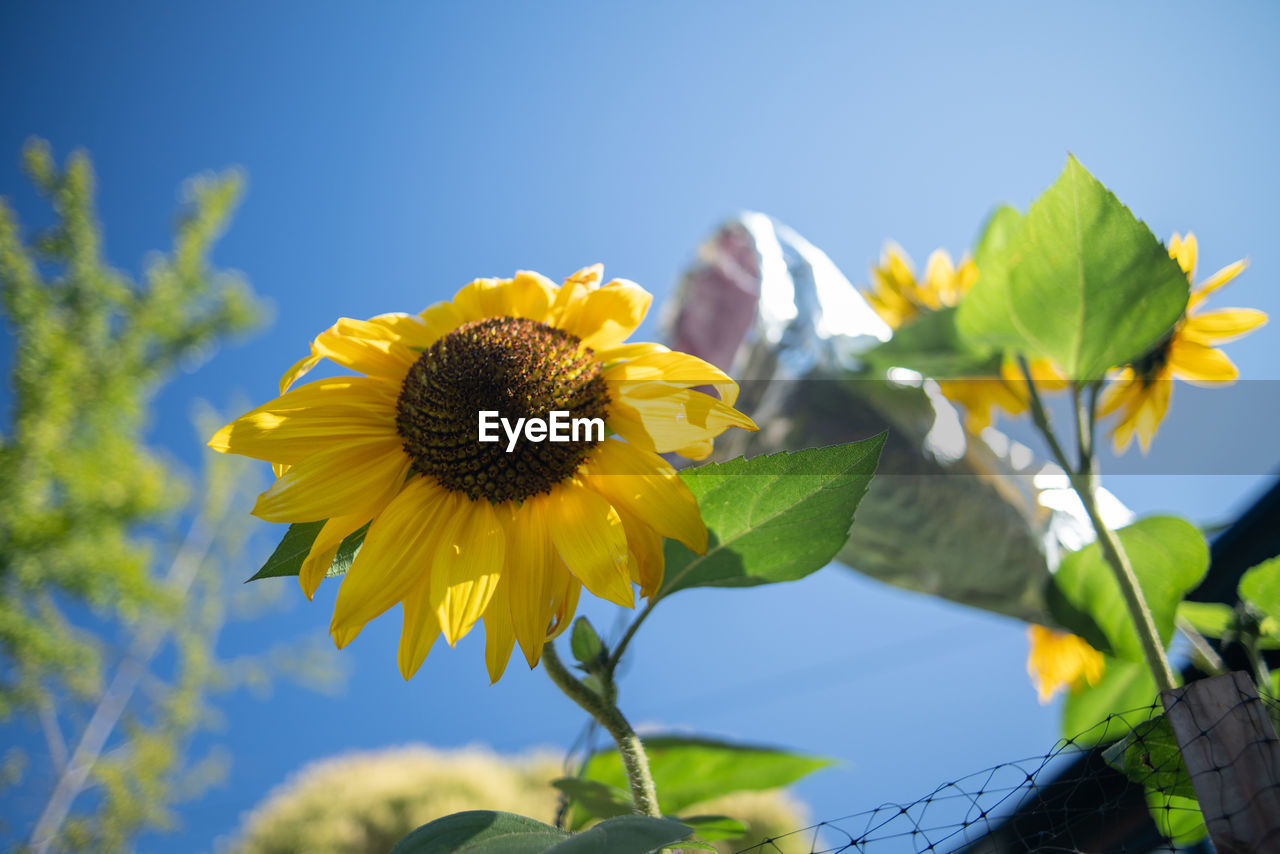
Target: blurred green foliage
109,557
363,803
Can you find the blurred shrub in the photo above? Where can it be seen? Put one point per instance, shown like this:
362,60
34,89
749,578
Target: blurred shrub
363,803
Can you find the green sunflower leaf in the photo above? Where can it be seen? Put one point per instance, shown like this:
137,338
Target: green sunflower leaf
1177,818
291,552
931,345
599,800
688,771
773,518
1079,280
1126,690
1211,619
296,544
1000,227
1150,756
1169,557
711,827
481,832
1260,587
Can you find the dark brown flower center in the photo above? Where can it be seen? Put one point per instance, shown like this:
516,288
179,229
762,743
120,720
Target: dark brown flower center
518,369
1148,366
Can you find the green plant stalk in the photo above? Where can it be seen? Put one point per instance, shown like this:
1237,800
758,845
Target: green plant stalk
1209,659
607,714
1083,481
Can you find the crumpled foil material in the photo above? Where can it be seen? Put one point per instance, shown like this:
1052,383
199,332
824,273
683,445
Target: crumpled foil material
977,519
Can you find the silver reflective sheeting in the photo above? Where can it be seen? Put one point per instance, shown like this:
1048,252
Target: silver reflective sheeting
975,519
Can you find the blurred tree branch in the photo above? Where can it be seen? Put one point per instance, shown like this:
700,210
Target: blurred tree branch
99,596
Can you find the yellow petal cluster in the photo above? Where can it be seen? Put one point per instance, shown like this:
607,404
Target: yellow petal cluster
897,296
1059,660
1139,394
448,560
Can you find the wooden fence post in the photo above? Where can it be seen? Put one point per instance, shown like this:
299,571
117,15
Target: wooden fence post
1232,752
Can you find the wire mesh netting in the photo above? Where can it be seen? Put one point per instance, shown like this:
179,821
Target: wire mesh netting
1122,786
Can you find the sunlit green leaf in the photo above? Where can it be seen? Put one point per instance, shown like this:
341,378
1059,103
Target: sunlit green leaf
1126,690
688,771
773,518
296,544
1177,818
930,345
1080,280
1150,756
1211,619
1001,227
1169,558
1260,587
598,800
711,827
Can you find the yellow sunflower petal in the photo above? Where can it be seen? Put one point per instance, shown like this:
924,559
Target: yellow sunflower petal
677,369
939,280
1152,404
566,601
441,319
407,329
1114,395
372,353
1183,250
1058,660
526,295
325,547
647,559
1222,325
296,424
589,276
658,417
590,539
397,553
333,482
531,576
1214,282
499,638
297,370
1199,363
608,314
646,486
609,356
419,629
699,450
466,569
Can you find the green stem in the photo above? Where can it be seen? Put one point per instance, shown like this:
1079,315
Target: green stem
1083,481
1209,658
607,714
625,640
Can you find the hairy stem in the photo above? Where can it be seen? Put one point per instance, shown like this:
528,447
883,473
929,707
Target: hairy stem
634,759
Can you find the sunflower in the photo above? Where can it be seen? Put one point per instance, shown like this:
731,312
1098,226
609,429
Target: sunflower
898,297
980,396
507,531
1060,660
1140,391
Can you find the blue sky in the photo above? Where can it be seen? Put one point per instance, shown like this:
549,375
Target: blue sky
397,151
